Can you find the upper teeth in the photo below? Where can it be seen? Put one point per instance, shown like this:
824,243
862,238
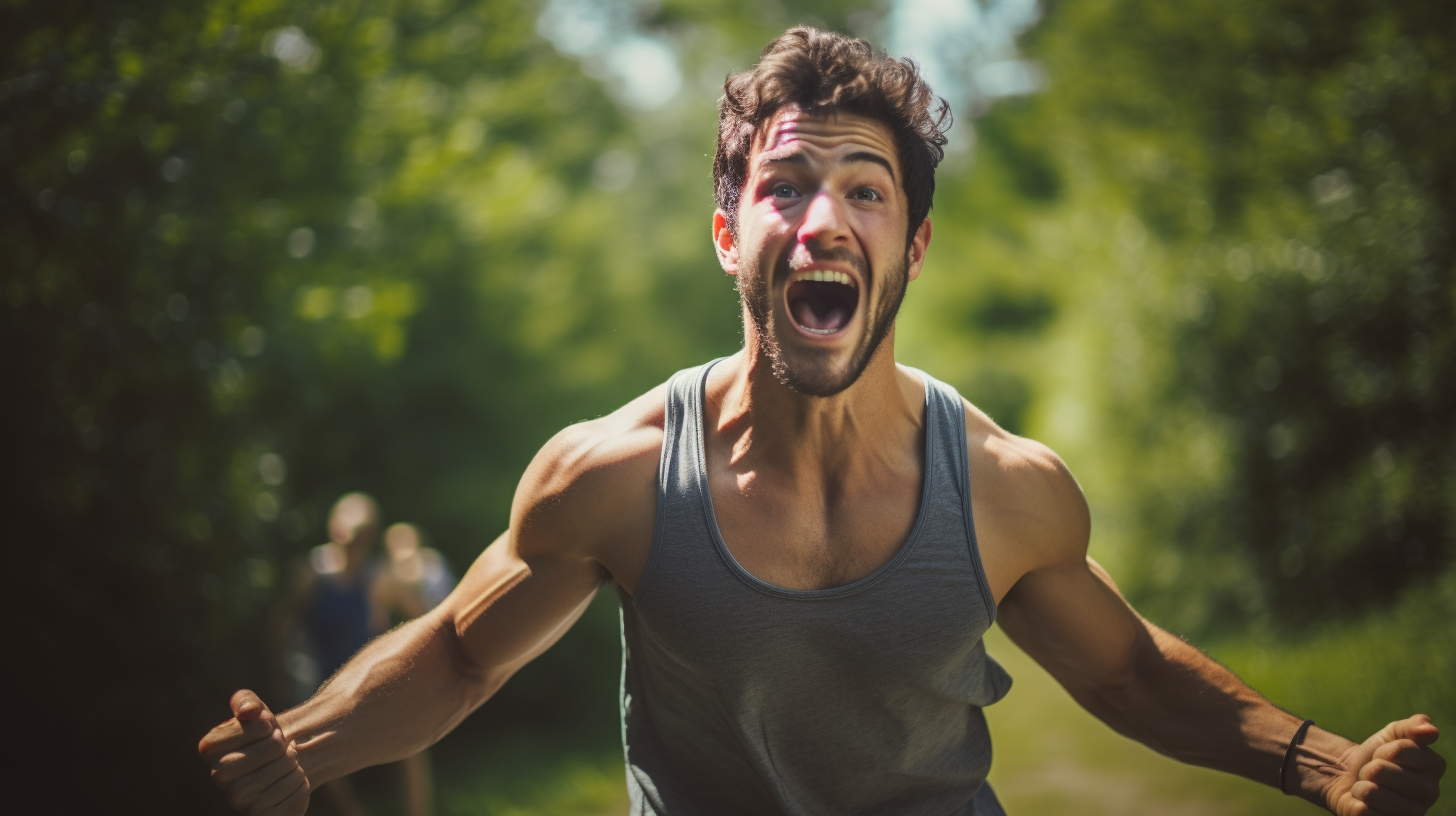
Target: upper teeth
823,276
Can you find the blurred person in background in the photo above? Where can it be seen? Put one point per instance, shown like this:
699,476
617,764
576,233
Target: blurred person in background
809,540
419,572
342,597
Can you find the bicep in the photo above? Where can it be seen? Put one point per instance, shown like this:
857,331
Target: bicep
1061,607
1072,620
567,520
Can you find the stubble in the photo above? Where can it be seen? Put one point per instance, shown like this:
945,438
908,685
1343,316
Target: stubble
812,374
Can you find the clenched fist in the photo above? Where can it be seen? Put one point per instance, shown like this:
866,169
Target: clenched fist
1394,773
254,763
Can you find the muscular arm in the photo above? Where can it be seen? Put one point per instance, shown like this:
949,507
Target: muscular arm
406,689
410,687
1066,612
1144,682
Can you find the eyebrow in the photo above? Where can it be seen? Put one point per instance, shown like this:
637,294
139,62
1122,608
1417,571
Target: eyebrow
858,156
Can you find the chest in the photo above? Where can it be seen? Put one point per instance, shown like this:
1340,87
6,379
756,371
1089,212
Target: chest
814,533
809,621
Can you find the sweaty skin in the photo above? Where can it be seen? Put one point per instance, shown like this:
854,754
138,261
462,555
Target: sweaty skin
810,492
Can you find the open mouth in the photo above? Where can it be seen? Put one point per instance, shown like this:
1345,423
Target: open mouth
822,301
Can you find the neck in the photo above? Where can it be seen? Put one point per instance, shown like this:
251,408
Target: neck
875,419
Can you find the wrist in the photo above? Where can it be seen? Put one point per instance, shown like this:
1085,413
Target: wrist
312,739
1315,763
1294,743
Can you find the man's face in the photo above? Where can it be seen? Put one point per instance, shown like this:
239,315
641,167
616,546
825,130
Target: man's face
820,254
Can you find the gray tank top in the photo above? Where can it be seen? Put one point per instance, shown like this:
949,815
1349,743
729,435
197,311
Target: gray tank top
742,697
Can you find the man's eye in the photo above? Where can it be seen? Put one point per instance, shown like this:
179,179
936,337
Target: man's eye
868,194
784,191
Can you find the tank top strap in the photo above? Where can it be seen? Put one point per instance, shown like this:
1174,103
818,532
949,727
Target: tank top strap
948,462
676,469
680,503
945,427
683,454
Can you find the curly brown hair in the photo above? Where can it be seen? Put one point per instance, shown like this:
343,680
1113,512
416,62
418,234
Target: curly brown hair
822,72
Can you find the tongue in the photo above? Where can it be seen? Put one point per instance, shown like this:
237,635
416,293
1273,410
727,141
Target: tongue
820,314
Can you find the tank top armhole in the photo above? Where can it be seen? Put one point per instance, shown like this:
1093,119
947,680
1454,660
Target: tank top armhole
963,471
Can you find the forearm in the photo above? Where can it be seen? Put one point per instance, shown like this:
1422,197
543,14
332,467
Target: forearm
400,694
1153,687
1181,703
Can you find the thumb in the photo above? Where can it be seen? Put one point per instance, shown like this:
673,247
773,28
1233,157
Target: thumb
1418,729
247,706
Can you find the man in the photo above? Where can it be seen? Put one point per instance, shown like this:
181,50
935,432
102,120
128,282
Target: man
420,578
809,540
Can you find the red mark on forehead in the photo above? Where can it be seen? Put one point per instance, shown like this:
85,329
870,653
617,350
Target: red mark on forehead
784,129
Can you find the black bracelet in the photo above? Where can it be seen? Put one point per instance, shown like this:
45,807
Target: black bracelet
1289,754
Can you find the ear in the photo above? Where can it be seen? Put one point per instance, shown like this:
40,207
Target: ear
724,243
915,255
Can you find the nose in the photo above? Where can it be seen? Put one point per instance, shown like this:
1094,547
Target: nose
823,222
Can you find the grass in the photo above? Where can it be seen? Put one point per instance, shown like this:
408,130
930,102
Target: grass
1054,758
531,774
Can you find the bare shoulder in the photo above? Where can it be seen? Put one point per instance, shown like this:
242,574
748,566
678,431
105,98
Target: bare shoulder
1029,510
592,485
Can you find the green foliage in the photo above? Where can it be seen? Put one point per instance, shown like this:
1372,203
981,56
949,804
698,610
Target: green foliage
264,253
1355,678
1228,234
1286,271
527,772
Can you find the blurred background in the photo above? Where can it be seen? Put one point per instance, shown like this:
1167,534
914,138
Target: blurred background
261,253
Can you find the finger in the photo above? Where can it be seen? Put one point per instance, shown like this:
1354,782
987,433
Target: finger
296,803
1418,728
1390,776
234,766
246,705
1387,802
1354,807
1407,754
232,735
251,721
248,790
281,790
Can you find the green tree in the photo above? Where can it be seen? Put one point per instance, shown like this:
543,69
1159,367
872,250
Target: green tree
1213,260
264,253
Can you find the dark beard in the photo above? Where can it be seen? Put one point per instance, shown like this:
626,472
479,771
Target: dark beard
811,377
